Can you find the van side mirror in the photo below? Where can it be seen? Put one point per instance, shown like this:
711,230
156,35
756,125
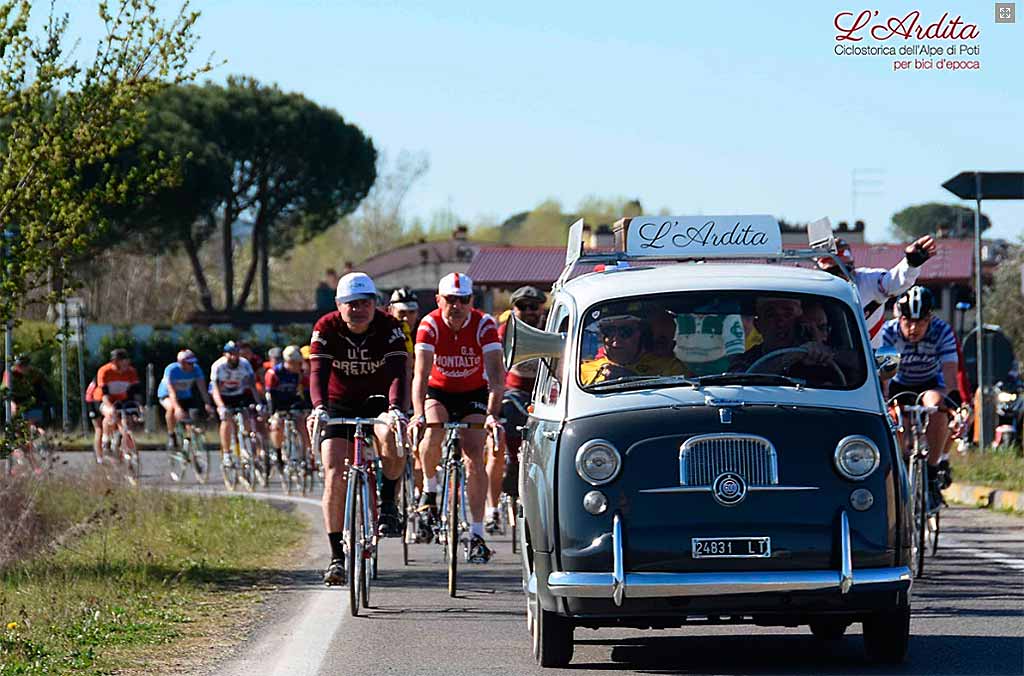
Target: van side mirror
887,362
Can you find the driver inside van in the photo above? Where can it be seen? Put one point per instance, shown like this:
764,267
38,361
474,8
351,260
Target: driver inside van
779,322
630,346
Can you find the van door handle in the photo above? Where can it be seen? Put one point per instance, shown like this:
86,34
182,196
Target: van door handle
550,434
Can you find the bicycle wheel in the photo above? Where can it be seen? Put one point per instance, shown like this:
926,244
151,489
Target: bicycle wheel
353,546
513,520
261,460
452,544
934,524
369,544
200,456
248,469
404,499
230,470
178,460
133,462
920,515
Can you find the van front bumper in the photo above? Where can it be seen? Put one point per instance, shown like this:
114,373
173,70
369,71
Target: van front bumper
619,585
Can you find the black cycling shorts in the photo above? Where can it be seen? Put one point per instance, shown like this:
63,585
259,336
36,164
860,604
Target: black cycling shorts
93,407
460,404
896,388
370,408
237,400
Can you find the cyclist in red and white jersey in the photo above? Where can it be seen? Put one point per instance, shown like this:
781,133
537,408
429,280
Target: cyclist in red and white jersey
458,376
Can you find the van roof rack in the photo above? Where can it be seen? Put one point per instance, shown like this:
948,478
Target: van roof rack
699,238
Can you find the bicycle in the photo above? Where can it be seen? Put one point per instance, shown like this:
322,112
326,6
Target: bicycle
193,452
359,532
926,519
454,508
239,464
122,443
295,458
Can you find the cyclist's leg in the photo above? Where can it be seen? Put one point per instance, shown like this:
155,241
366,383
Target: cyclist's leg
335,450
276,433
430,449
110,424
476,472
97,430
495,472
937,431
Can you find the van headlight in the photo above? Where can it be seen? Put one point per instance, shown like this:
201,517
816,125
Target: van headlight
857,457
597,462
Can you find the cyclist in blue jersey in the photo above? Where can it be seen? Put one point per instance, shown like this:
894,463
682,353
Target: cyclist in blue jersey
928,367
176,392
283,385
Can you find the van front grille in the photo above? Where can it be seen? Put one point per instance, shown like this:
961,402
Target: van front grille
703,458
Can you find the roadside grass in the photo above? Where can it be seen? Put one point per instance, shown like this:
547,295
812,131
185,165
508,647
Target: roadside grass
118,578
998,468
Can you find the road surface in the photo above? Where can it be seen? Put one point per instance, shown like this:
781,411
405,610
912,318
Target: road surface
968,617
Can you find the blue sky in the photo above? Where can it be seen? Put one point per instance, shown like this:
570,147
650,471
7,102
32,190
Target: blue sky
738,107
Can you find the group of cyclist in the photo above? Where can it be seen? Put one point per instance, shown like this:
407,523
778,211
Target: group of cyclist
367,362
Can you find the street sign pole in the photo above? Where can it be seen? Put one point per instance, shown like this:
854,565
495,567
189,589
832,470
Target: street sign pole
81,373
978,312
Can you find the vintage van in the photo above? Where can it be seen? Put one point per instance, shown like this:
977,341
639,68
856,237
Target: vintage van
708,443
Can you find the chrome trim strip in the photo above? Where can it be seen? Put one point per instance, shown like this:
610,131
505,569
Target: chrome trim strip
845,554
707,489
656,585
618,566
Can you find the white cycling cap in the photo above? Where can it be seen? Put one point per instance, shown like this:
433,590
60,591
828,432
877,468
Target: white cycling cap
455,284
355,286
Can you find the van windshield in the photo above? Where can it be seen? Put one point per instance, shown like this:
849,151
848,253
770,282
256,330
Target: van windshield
720,337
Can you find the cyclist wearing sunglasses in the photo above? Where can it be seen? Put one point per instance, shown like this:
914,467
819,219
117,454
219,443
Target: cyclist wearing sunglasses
458,376
527,305
357,369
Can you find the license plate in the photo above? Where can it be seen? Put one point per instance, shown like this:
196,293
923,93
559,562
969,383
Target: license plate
731,548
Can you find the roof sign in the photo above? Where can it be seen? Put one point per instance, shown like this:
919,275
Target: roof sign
703,237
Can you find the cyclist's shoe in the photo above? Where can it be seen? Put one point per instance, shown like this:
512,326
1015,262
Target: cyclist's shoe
334,576
428,503
935,499
493,524
172,443
226,460
390,521
478,550
945,474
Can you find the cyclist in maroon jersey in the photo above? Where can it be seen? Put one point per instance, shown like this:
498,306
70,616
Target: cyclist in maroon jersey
458,376
358,369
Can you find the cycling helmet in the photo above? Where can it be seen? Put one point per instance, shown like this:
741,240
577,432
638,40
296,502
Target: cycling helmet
230,347
528,293
292,353
405,297
915,303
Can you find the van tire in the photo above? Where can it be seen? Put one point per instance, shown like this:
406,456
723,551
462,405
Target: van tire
887,635
552,638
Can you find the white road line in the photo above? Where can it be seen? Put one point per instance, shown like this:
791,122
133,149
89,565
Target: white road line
989,555
304,648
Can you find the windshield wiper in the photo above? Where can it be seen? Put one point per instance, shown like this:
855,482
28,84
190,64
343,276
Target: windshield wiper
750,379
643,382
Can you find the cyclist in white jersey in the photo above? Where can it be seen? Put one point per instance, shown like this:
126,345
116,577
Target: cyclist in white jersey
878,285
232,385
